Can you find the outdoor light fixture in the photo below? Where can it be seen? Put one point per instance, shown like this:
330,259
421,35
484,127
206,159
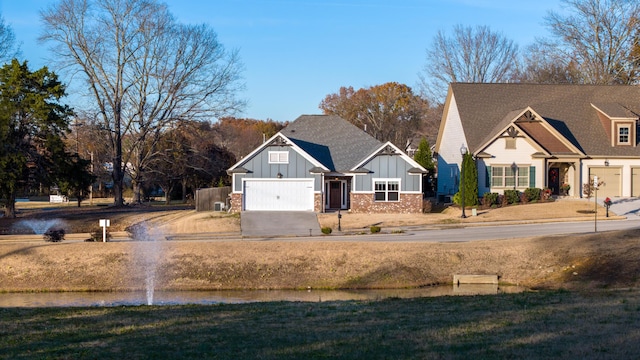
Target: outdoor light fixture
606,162
279,176
463,152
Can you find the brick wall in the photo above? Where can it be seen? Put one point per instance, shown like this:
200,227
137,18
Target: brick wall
363,203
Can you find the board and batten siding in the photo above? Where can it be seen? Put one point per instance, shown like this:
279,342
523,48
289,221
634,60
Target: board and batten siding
388,167
297,168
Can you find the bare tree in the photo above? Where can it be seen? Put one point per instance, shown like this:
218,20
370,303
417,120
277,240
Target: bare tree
599,38
469,55
388,112
542,65
8,46
144,72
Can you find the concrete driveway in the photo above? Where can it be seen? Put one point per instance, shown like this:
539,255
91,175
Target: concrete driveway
279,223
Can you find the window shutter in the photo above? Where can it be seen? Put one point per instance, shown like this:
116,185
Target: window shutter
532,176
488,179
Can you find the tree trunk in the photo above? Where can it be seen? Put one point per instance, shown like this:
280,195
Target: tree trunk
10,206
118,171
184,190
137,191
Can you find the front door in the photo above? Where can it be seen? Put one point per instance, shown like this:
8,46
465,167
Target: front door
554,180
335,194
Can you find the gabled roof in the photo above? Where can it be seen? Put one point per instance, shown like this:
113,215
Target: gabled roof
389,149
567,108
331,140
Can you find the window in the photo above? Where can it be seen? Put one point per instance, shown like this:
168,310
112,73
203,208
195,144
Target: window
386,190
508,176
623,134
278,157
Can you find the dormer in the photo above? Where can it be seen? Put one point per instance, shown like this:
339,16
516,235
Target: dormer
619,123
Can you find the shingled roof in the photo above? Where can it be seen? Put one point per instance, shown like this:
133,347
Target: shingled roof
333,141
570,109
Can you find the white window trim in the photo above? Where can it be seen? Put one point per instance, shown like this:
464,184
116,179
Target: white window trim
628,135
504,176
278,157
386,180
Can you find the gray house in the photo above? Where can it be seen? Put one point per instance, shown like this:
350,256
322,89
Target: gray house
324,163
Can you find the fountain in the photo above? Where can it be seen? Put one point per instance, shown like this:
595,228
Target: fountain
39,227
147,255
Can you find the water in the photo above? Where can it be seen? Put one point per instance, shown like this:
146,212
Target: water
236,296
147,252
38,227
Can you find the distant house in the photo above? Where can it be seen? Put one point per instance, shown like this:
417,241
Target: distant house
546,136
324,163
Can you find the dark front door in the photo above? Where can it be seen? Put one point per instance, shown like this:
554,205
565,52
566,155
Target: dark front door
554,181
335,194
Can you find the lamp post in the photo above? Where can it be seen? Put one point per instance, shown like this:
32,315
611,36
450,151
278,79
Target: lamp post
463,152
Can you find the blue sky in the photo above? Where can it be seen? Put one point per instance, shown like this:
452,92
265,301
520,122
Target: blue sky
295,52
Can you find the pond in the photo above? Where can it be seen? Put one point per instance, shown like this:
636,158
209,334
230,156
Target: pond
64,299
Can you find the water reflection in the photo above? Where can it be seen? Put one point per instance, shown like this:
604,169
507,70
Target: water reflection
236,296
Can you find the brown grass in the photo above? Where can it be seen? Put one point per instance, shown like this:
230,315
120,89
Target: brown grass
604,259
596,260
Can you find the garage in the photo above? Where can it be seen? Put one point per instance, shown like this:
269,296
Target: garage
635,182
278,194
611,177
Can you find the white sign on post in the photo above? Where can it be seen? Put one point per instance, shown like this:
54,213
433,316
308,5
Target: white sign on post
595,182
104,223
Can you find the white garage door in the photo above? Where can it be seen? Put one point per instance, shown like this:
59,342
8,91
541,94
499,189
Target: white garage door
278,194
611,178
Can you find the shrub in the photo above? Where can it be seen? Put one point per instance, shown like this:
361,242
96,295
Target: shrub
375,229
326,230
512,196
54,235
490,199
137,232
533,194
96,235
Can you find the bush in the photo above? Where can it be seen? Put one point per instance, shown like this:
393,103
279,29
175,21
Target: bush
512,196
96,235
326,230
533,194
490,199
54,235
375,229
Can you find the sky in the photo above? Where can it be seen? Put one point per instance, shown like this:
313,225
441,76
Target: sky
296,52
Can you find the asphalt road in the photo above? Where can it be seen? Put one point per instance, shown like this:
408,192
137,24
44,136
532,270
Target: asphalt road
476,232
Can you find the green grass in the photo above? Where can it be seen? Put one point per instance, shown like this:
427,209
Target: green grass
555,324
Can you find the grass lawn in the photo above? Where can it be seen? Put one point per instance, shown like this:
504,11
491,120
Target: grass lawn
551,324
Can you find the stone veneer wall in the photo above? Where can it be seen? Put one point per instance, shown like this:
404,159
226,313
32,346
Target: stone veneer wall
360,203
236,203
317,202
363,203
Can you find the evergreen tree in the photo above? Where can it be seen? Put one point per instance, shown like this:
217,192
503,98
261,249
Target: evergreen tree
32,123
468,180
423,157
